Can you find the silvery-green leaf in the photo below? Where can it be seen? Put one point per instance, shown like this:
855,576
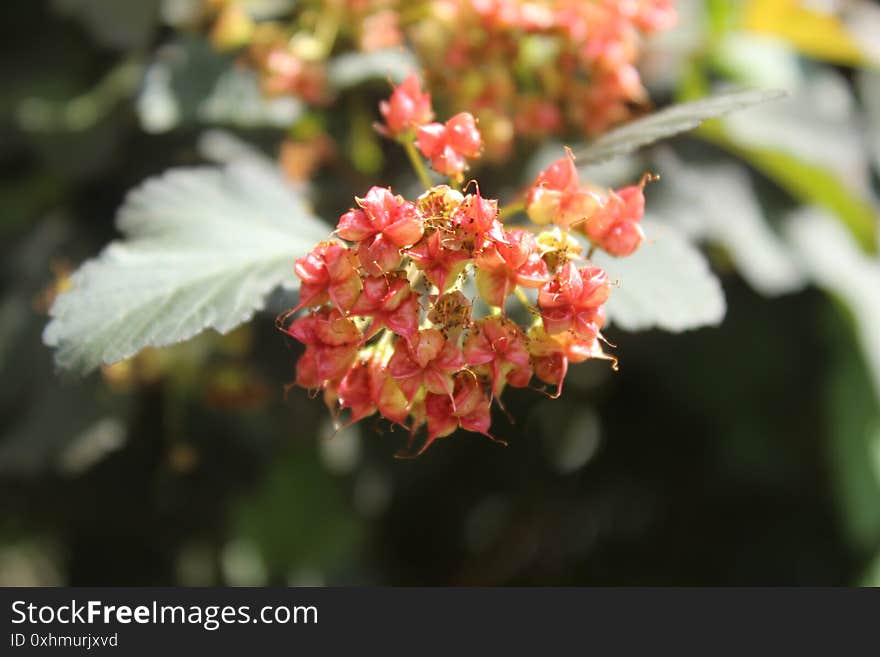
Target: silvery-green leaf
837,264
265,9
237,100
869,89
759,60
816,123
181,75
188,82
120,24
851,377
350,69
670,121
871,577
665,284
203,248
180,13
220,146
718,202
667,53
862,19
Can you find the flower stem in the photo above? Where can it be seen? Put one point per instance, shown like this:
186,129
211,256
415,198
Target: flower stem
511,208
326,30
524,299
385,340
417,163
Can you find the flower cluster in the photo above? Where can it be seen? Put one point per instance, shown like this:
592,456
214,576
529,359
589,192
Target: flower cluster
610,220
533,68
523,67
448,146
425,310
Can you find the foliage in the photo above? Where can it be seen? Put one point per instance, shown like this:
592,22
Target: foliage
204,248
738,441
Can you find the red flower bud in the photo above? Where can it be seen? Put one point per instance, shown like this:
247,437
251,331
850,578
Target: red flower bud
367,388
615,227
556,196
623,238
572,301
440,265
391,304
448,145
328,272
331,346
383,225
499,343
467,407
429,360
462,135
503,266
552,354
561,175
407,108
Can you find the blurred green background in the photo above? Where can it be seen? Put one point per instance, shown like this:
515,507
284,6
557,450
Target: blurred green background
746,454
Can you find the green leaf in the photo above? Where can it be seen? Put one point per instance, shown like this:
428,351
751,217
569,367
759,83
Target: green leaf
120,24
812,184
670,121
351,69
188,82
853,421
666,284
268,519
818,124
730,216
869,90
836,264
757,61
203,248
85,111
872,574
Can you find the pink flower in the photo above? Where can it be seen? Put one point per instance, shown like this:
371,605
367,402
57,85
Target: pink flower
440,264
552,354
467,407
367,388
556,196
572,301
382,225
538,117
503,266
380,31
448,145
654,15
499,343
408,108
331,342
445,377
329,271
429,360
391,303
478,216
615,228
561,175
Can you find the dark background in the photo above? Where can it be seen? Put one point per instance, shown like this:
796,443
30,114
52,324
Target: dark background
714,456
